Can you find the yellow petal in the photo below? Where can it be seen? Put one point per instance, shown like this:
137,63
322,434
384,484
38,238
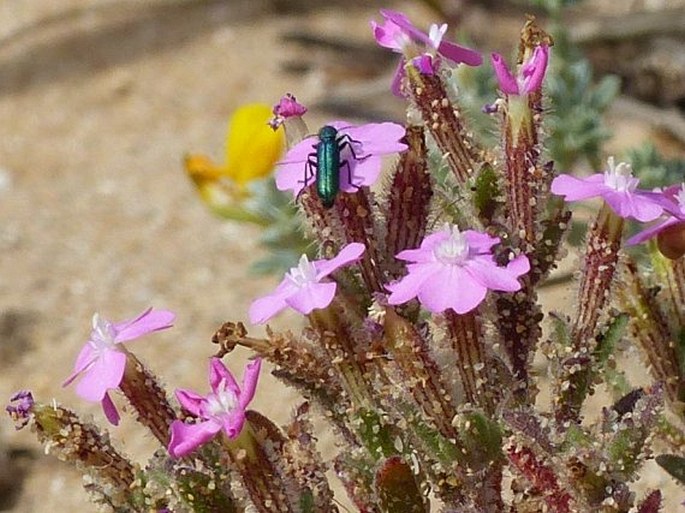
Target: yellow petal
207,179
201,169
252,147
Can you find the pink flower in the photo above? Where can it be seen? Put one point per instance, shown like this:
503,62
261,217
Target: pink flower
676,215
102,361
454,269
304,287
20,411
287,107
369,142
399,35
529,77
222,409
618,187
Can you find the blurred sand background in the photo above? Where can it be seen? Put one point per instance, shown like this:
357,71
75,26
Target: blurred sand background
99,100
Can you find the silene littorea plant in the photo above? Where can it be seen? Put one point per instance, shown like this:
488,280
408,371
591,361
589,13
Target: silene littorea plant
421,319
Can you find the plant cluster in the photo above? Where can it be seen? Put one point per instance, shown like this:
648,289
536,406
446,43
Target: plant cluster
420,302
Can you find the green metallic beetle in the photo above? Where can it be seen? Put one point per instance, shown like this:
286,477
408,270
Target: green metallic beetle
325,164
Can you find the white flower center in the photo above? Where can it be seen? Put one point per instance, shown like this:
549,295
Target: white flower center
436,33
222,402
303,274
620,177
403,40
102,336
680,197
454,250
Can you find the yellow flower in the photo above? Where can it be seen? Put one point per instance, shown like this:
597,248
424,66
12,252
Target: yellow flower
252,146
252,150
207,178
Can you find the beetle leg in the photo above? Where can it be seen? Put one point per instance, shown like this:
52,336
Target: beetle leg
308,173
309,167
346,164
345,141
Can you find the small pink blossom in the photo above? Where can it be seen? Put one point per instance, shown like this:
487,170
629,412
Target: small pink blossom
453,269
223,409
304,287
287,107
618,187
399,35
675,215
369,142
529,77
102,361
20,411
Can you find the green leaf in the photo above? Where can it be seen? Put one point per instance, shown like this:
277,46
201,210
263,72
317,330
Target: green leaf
481,437
653,169
199,491
680,349
438,446
376,435
307,502
561,332
674,465
487,190
606,343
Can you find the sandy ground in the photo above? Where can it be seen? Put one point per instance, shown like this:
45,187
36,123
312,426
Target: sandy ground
99,101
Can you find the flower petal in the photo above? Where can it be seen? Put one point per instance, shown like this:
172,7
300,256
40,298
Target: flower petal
505,79
85,359
406,26
301,151
252,146
190,401
289,107
250,379
264,308
408,287
533,71
388,35
347,255
105,373
185,438
149,321
110,410
485,271
460,54
378,138
418,255
633,205
312,297
574,189
668,201
452,288
424,254
425,64
340,125
674,200
519,265
480,242
232,423
290,172
652,231
218,373
363,172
